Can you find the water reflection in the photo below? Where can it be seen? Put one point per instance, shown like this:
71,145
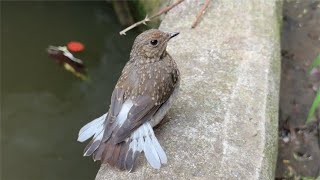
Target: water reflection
43,106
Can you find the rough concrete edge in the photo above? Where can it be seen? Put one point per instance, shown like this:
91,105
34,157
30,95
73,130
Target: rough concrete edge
267,168
269,161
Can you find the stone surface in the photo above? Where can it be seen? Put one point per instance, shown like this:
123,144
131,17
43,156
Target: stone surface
224,123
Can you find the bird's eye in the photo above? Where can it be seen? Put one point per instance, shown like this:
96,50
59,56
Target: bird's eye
154,42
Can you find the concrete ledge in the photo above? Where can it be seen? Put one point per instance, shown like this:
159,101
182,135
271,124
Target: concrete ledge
224,124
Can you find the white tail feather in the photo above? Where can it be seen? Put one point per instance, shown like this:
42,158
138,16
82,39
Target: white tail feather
96,126
160,151
123,114
143,139
93,128
151,153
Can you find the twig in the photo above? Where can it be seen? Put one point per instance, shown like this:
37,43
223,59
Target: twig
166,9
146,19
200,13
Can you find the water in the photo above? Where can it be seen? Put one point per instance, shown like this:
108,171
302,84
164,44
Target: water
42,105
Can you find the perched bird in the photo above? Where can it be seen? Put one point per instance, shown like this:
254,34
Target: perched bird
63,57
142,96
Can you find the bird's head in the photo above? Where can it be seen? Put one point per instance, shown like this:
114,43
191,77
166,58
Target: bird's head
150,45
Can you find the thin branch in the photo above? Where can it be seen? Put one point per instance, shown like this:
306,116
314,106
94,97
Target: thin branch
200,13
166,9
146,19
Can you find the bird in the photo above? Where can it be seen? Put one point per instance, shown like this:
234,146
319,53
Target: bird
143,94
63,57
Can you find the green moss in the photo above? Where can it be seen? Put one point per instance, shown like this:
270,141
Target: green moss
272,99
279,5
137,9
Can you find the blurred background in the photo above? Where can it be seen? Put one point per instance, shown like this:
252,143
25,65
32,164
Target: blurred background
299,127
43,106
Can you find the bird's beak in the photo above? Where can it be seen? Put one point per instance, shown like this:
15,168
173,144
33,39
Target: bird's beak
173,34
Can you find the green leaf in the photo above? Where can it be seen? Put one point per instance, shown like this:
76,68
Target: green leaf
314,106
315,63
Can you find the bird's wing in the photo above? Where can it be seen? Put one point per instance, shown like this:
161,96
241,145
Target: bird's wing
117,100
117,103
142,110
129,111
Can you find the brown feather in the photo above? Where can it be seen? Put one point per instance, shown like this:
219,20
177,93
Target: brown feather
106,151
116,102
122,155
98,153
115,107
115,156
88,146
110,152
132,124
129,161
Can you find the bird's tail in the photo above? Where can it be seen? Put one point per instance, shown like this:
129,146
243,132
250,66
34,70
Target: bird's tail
124,154
96,129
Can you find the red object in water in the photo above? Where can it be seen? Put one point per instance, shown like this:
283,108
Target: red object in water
75,46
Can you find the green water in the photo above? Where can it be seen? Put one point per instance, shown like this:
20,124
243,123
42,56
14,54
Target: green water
42,105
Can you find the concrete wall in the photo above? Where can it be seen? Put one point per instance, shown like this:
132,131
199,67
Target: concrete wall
224,123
